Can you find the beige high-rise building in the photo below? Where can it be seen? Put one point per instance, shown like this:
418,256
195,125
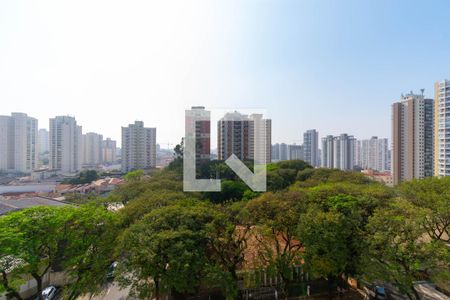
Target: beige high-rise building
442,128
138,147
18,143
412,138
247,137
109,151
65,141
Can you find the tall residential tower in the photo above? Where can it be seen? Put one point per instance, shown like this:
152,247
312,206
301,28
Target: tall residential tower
311,147
412,138
65,142
138,147
18,143
442,128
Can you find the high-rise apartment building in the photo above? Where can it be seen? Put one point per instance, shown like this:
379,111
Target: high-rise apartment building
296,152
138,147
276,152
338,152
327,152
92,149
43,141
201,120
311,147
260,136
412,138
284,155
373,154
109,151
344,152
442,128
247,137
18,143
65,142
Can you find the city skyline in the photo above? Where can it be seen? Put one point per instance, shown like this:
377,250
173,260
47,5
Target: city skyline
221,54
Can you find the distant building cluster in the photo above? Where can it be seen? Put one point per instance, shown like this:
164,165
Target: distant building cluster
419,147
24,148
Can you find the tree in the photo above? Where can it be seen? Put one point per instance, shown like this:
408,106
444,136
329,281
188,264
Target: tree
90,235
432,195
148,201
228,234
9,265
32,236
325,236
399,250
166,251
276,216
84,177
134,176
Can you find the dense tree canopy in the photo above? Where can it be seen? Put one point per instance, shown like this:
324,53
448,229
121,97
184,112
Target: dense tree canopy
333,224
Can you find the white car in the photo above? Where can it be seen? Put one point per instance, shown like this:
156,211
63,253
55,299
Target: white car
48,293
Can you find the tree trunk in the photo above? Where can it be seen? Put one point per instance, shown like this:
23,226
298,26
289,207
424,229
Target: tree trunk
38,284
331,280
157,289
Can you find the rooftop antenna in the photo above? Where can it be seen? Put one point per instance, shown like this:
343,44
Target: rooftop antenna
422,90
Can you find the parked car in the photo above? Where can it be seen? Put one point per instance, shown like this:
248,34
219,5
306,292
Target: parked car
49,293
375,291
111,269
380,292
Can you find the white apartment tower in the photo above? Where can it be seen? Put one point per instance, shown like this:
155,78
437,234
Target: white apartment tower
412,138
373,154
327,152
109,151
296,152
311,147
65,142
18,143
338,152
43,141
138,147
344,152
92,149
442,128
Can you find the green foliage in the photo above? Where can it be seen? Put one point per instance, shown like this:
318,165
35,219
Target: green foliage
332,222
284,173
313,177
165,251
324,236
275,216
399,250
79,241
84,177
88,247
134,176
32,236
77,198
148,201
231,190
433,196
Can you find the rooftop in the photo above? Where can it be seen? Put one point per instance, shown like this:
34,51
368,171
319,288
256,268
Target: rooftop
10,205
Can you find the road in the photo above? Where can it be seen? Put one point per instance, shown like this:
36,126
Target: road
112,291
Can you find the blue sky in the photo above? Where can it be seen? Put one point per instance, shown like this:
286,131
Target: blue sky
331,65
